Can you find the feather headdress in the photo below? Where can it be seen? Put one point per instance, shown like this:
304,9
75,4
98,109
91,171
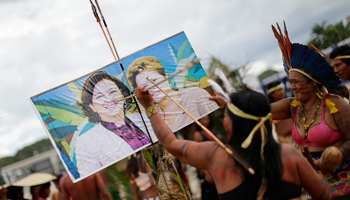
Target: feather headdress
300,58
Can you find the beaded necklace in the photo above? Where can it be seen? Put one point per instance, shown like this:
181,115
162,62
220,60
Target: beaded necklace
306,127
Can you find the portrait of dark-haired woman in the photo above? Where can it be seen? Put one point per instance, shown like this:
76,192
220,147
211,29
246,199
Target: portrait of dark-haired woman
115,135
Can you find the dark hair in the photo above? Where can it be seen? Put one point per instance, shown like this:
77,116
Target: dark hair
341,51
32,189
43,187
132,167
269,86
15,192
256,104
88,89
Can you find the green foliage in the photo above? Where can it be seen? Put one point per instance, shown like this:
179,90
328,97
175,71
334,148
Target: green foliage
234,77
216,63
324,36
149,158
28,151
36,148
6,161
118,181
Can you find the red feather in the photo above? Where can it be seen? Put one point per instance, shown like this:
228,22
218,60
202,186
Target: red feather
284,43
288,43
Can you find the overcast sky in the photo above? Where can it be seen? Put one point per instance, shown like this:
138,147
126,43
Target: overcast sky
45,43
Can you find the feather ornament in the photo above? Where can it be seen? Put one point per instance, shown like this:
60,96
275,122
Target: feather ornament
284,44
305,60
288,43
331,106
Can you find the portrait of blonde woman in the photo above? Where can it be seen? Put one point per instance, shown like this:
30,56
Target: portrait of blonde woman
194,99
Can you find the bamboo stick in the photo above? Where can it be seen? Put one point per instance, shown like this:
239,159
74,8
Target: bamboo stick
309,158
211,135
189,66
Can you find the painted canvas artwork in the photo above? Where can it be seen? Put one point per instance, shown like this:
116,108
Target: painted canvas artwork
93,124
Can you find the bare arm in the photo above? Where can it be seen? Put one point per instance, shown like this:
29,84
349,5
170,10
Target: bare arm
284,128
135,190
189,152
219,100
344,91
342,118
197,136
314,183
64,192
281,109
102,188
4,191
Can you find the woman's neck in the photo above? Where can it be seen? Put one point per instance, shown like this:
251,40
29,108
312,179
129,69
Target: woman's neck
311,103
167,104
118,119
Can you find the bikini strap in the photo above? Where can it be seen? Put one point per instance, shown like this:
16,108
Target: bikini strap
324,106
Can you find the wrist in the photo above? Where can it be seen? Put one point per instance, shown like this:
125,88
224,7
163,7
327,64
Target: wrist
223,105
151,110
147,105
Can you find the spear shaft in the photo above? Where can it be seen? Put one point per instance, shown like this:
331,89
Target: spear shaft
120,62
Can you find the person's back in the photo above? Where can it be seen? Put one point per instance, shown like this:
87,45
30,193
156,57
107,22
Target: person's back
278,168
91,187
297,173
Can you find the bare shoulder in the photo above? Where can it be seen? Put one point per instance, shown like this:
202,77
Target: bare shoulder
213,149
340,104
197,136
218,157
288,151
282,109
337,99
284,102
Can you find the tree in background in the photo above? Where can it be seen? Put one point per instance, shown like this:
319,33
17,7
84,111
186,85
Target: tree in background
28,151
324,36
235,78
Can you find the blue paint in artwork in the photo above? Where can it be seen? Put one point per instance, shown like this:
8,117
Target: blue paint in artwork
173,53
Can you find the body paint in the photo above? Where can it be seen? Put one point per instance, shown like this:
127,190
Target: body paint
302,89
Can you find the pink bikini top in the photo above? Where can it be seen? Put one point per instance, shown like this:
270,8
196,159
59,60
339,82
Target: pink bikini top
321,135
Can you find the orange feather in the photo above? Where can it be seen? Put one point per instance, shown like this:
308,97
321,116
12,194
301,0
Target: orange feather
288,43
284,43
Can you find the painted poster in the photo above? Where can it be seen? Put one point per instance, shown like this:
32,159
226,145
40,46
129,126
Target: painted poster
92,125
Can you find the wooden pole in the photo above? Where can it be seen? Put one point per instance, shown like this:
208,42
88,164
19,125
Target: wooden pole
189,66
309,158
120,62
99,22
211,135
